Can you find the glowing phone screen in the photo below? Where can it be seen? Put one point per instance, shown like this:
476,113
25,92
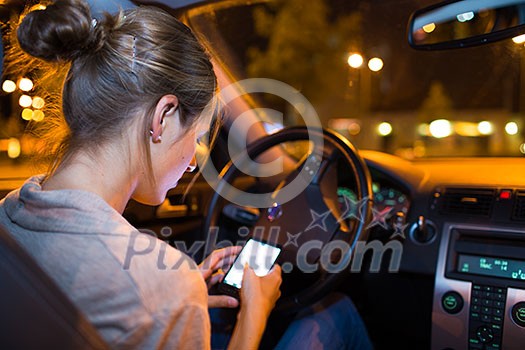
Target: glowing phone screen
259,256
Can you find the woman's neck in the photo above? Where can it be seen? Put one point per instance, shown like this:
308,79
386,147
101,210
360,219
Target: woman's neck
109,177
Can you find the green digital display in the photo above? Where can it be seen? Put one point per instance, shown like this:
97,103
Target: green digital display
489,266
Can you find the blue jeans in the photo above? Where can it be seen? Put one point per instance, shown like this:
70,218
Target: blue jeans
332,323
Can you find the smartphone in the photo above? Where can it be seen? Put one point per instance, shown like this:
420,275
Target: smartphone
259,255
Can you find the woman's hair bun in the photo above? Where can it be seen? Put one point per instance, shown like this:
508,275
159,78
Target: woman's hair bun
61,32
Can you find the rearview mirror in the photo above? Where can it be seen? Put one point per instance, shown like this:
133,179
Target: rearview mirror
464,23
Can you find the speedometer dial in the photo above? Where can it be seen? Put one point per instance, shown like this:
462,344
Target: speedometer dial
389,198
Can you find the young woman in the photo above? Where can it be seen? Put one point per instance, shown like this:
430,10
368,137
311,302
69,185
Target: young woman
134,101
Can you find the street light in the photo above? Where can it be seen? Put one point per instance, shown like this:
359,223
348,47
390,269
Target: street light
364,78
511,128
355,60
384,129
440,128
375,64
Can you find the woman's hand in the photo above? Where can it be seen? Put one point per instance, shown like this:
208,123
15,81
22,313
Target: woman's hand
258,297
259,294
212,270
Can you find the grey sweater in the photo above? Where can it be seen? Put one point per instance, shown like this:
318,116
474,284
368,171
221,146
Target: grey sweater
136,290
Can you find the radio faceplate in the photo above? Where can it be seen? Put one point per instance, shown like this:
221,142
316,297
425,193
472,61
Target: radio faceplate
478,289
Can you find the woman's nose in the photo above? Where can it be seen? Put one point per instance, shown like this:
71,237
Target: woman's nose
192,165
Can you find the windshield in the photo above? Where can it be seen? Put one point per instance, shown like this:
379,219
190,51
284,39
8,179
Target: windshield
352,62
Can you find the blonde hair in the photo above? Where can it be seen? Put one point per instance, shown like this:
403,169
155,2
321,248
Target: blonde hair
119,68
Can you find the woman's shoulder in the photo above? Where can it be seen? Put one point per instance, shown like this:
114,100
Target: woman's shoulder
158,269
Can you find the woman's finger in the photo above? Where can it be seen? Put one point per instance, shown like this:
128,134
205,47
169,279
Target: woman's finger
222,301
215,278
217,259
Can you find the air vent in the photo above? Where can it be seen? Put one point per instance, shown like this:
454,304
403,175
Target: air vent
466,201
519,206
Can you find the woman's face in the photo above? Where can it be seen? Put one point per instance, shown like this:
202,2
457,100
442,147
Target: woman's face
171,158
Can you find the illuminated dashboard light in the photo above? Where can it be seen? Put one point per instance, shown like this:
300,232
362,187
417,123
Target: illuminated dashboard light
440,128
511,128
485,128
8,86
355,60
375,64
429,28
384,129
505,194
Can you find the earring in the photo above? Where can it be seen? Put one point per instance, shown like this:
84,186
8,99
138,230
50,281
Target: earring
162,125
156,139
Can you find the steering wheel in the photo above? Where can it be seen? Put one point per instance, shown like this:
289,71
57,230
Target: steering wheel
310,219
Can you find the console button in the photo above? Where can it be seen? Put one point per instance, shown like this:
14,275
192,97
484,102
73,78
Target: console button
484,334
518,313
486,302
497,320
452,302
499,296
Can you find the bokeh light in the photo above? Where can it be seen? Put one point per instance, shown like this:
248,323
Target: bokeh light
38,115
25,84
13,148
38,102
520,39
375,64
27,114
25,101
384,129
440,128
429,28
8,86
485,128
355,60
511,128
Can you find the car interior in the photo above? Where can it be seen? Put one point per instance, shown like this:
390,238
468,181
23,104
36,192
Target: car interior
401,122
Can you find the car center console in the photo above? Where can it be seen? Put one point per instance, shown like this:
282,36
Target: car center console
479,294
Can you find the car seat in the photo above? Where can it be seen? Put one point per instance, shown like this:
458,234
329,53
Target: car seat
34,312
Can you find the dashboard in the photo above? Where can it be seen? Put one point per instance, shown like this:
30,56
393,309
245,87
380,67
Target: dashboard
473,253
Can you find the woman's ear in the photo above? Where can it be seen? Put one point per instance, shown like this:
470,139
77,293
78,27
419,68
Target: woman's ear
166,107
